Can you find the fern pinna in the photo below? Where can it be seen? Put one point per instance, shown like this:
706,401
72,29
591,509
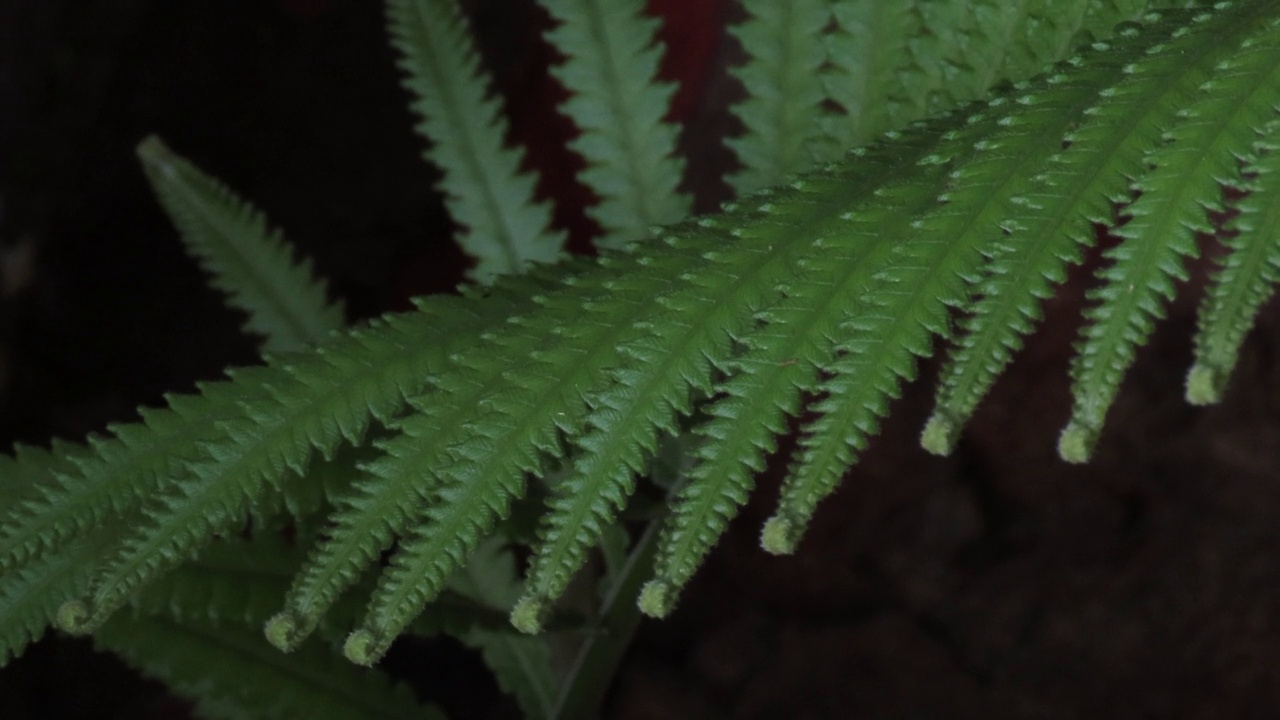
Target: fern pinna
813,295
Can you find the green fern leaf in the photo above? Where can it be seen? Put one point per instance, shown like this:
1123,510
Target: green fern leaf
277,416
1247,277
784,90
253,266
485,192
1229,103
611,68
31,594
391,498
782,361
918,281
1048,224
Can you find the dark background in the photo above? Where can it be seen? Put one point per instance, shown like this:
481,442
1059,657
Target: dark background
999,582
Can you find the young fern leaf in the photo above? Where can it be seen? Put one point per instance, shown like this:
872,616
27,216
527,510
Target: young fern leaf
1230,103
912,286
1247,277
268,422
31,591
673,358
782,361
611,68
994,154
520,421
257,270
391,498
1053,218
231,672
485,192
784,90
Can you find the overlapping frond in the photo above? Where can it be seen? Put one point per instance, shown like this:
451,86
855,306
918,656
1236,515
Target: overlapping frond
611,71
784,90
285,302
504,228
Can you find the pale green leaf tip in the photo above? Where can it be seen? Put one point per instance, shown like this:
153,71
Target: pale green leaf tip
778,536
939,436
282,631
73,617
1204,385
361,648
655,599
1076,443
528,614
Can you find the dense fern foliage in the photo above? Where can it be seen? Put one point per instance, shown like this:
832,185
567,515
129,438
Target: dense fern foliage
813,296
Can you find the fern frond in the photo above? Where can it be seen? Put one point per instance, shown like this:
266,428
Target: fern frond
527,410
268,422
391,497
231,672
831,287
106,480
31,594
920,280
1247,277
673,360
1228,103
782,361
1048,224
254,266
784,90
505,229
611,70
